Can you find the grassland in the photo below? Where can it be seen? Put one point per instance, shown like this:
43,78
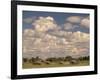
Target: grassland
28,65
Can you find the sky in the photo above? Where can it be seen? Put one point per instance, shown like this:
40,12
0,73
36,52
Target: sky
60,34
59,17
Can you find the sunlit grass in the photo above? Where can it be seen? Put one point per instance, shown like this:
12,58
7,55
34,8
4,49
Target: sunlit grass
27,65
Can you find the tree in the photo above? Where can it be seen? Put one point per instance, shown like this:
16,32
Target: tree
38,59
51,59
25,59
84,58
68,58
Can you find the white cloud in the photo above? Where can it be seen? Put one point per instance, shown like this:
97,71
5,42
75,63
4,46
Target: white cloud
85,22
28,32
44,24
29,20
80,37
56,42
50,18
58,33
74,19
68,26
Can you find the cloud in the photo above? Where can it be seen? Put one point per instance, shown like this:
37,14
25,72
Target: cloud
58,33
80,37
29,20
56,42
43,24
68,26
34,43
71,36
50,18
74,19
85,22
28,32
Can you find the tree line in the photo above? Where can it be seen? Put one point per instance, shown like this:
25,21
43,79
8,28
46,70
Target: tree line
37,60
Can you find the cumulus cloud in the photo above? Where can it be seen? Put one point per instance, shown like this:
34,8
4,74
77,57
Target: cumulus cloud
44,24
85,22
59,33
71,22
29,20
35,43
50,18
28,32
80,37
74,19
68,26
56,42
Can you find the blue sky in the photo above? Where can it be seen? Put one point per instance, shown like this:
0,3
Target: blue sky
59,17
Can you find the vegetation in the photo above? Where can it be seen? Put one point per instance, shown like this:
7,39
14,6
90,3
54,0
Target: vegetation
36,62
